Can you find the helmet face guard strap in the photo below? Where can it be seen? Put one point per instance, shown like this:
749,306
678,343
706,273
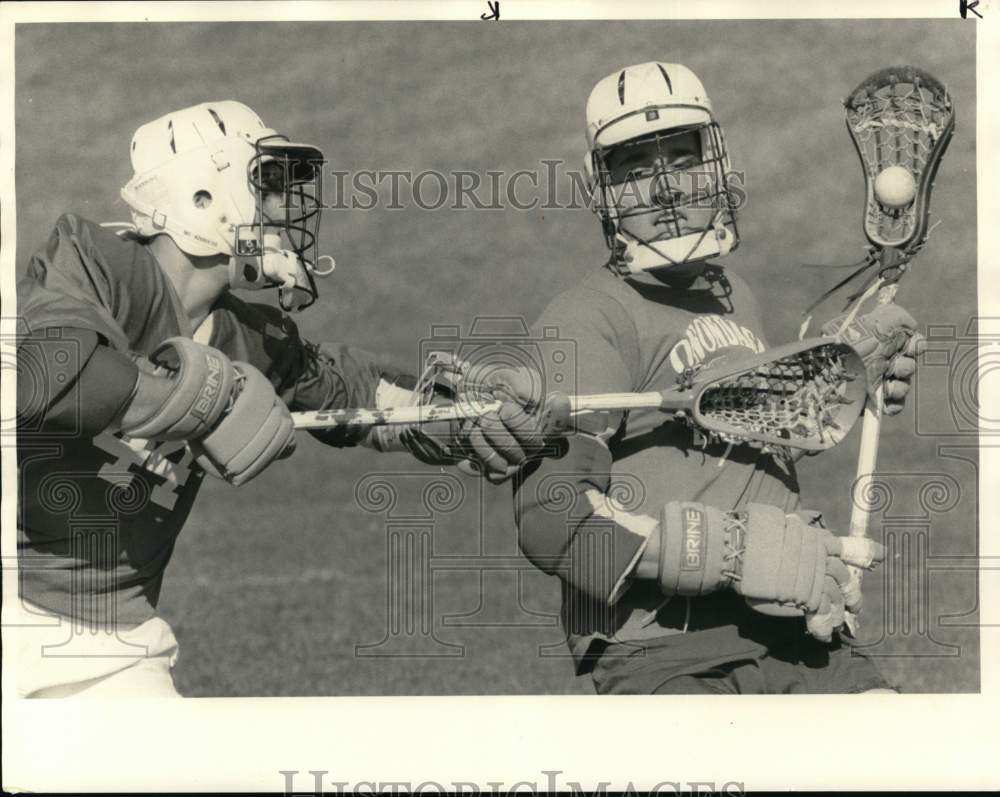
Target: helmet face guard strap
633,255
279,249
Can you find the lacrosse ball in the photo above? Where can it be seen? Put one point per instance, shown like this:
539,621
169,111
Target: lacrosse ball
895,187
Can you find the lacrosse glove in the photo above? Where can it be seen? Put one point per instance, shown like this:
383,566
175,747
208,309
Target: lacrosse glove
524,427
783,564
887,341
495,444
228,412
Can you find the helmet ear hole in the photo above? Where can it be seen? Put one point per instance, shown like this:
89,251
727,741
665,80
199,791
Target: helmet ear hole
202,199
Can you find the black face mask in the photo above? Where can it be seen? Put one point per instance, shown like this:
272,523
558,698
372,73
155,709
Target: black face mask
292,173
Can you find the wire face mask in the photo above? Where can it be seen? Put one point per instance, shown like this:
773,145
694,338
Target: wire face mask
658,169
279,249
215,180
664,198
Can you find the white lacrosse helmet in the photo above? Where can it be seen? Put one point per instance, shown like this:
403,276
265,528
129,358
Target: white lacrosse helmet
650,102
201,174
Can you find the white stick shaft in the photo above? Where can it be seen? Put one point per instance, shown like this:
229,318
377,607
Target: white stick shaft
868,451
867,460
615,401
330,419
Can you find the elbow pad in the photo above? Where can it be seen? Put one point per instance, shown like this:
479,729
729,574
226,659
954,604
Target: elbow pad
70,383
569,527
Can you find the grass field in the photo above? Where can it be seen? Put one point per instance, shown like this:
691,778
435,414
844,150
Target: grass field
274,585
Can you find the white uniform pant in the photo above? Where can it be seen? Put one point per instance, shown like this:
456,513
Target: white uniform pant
48,655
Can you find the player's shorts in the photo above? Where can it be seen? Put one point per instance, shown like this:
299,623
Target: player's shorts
756,654
48,655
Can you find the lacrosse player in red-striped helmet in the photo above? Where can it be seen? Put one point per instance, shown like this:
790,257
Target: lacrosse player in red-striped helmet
686,561
139,371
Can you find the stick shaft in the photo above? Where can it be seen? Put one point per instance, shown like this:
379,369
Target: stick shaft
867,460
868,450
331,419
754,399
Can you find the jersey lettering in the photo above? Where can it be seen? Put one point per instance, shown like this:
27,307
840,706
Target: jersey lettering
705,335
150,456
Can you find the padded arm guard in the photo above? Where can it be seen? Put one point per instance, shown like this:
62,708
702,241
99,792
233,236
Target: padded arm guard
70,383
569,527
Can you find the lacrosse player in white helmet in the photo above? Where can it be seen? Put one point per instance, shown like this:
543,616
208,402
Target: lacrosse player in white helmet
139,372
659,166
686,562
216,182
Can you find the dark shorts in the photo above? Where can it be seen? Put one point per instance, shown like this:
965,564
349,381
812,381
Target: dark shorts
754,655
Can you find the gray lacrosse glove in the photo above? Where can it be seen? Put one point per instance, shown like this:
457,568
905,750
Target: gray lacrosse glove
887,341
780,563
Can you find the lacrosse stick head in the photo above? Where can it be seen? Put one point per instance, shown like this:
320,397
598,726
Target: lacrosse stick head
807,395
900,120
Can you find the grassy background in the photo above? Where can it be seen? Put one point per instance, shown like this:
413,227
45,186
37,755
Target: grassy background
272,586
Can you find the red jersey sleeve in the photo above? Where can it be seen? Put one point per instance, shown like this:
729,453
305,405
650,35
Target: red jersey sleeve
559,503
76,280
86,290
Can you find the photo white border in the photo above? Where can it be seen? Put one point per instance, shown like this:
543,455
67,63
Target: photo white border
788,742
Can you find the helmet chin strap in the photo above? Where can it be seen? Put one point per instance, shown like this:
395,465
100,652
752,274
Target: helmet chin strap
277,267
641,255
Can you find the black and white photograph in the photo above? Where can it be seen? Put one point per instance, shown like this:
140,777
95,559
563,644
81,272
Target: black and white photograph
403,360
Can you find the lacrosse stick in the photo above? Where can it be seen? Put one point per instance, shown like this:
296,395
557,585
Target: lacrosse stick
901,120
807,394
